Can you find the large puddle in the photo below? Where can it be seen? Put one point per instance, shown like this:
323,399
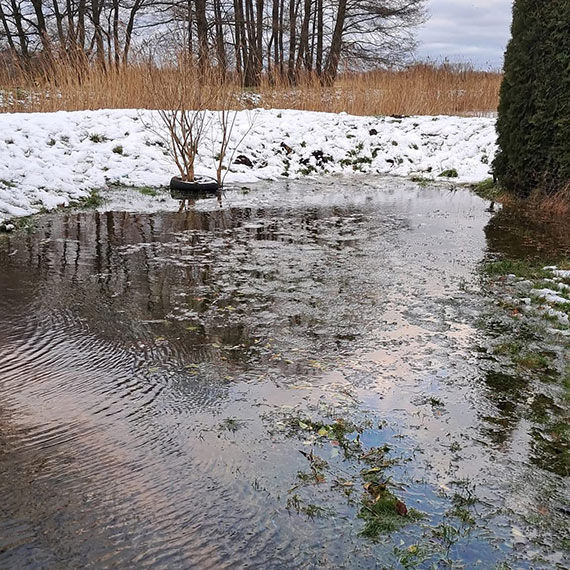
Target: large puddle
237,387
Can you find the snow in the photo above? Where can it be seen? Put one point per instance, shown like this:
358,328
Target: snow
563,273
549,296
53,159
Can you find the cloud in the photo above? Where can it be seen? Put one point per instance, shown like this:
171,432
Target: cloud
473,31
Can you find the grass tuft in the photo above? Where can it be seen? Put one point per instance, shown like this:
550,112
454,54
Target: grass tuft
519,267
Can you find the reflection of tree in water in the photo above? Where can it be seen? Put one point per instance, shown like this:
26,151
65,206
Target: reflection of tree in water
551,435
506,394
528,396
215,286
516,233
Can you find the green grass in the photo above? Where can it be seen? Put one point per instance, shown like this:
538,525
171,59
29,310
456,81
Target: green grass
508,348
523,359
118,149
532,361
148,191
421,181
96,138
563,307
519,267
565,381
27,223
92,201
450,173
487,189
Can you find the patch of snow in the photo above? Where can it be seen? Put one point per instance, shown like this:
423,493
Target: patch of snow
565,274
562,317
563,332
549,296
52,159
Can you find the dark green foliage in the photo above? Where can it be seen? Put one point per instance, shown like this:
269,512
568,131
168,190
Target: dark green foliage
534,111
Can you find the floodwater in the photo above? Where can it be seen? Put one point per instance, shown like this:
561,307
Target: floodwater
159,373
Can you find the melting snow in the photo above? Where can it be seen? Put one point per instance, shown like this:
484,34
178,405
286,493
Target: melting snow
50,159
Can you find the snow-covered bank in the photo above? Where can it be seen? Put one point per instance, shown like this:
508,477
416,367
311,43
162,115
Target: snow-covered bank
50,159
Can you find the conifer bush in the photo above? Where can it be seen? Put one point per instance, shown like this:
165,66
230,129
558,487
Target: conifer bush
533,125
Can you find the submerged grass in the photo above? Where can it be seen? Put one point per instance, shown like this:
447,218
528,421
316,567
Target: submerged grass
385,514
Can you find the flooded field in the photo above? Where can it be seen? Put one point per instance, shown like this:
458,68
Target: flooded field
307,375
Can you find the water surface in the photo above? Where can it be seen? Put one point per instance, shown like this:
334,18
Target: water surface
152,366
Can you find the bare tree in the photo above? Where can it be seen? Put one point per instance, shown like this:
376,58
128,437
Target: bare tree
283,37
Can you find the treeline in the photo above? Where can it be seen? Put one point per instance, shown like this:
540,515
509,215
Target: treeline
283,38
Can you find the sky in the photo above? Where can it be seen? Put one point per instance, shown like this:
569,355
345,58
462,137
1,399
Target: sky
474,31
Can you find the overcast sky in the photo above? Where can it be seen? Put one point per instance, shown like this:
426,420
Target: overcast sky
473,31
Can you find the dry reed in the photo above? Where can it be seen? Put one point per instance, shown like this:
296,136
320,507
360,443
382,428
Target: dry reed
555,205
419,90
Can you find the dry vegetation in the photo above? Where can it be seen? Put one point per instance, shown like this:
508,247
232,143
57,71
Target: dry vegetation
556,205
421,89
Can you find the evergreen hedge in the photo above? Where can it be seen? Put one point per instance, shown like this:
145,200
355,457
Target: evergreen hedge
533,125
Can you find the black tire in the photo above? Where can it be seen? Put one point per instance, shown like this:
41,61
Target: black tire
200,185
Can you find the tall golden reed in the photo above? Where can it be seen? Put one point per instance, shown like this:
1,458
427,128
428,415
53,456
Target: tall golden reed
422,89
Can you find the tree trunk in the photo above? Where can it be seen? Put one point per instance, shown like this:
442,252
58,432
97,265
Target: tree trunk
116,45
96,8
41,25
304,37
320,34
7,32
292,39
190,30
202,31
331,68
59,25
275,36
281,33
220,46
239,38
